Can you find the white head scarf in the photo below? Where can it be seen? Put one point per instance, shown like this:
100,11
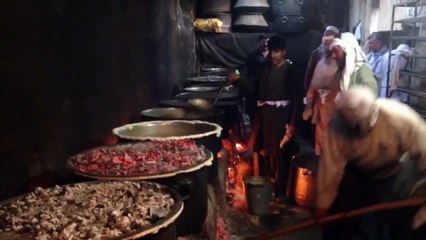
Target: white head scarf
398,62
355,57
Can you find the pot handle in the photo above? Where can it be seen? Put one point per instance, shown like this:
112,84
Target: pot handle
183,187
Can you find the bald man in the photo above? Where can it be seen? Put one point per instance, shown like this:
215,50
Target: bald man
381,145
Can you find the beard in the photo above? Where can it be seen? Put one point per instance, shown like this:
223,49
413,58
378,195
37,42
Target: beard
341,62
324,73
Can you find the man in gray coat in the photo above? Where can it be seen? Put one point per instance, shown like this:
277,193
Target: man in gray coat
381,143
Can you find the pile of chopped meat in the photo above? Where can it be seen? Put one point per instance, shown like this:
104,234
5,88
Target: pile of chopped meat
87,211
144,158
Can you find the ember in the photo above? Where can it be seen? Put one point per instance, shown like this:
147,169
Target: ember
240,147
141,158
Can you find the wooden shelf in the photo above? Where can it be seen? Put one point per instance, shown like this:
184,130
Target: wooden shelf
412,20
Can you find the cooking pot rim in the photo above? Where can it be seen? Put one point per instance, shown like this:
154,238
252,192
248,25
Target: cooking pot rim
309,162
217,130
171,102
203,114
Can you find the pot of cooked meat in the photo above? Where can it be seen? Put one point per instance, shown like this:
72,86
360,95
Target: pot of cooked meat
93,210
211,142
179,164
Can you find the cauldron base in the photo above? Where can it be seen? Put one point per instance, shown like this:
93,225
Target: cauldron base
167,233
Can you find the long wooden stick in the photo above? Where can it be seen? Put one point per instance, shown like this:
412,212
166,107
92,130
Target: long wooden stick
339,216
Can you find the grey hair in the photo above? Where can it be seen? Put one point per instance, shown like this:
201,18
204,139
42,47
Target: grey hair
376,36
359,98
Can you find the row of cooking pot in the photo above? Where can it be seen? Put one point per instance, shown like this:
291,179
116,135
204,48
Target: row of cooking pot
183,123
190,184
189,181
189,115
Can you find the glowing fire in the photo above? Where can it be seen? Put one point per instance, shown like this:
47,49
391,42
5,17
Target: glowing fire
240,147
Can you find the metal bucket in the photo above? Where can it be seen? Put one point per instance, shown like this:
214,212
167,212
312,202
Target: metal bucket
305,180
258,192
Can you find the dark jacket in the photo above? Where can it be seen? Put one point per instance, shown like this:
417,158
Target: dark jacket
270,120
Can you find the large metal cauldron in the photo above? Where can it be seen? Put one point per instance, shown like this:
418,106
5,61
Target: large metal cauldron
212,142
163,229
305,179
208,95
167,130
230,107
192,185
153,114
181,103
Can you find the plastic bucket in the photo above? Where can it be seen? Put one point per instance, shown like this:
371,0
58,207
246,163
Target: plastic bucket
258,192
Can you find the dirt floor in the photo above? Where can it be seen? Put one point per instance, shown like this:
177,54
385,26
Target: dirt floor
234,222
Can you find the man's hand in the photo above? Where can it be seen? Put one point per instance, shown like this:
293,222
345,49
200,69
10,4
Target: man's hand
307,114
284,140
420,218
232,77
288,135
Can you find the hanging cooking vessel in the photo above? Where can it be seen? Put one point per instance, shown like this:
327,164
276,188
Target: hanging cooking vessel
251,6
250,23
